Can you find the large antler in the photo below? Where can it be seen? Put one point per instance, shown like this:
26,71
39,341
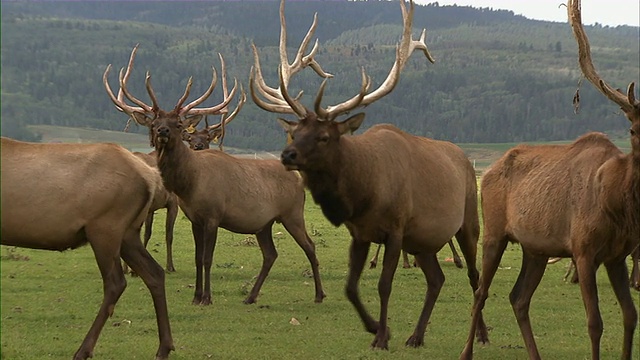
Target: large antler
275,101
292,105
189,109
628,103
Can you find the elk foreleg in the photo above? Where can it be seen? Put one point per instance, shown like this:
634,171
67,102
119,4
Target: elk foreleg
492,251
528,280
435,279
148,226
617,272
269,256
106,250
172,215
198,238
587,274
299,233
358,252
210,239
153,276
392,250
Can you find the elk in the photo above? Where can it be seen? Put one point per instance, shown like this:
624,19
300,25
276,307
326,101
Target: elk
94,193
201,139
405,258
387,186
580,200
216,189
164,199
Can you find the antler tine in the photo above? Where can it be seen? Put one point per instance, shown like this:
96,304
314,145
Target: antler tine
628,102
213,110
118,102
225,120
152,94
187,90
201,99
403,51
295,105
345,106
128,73
275,100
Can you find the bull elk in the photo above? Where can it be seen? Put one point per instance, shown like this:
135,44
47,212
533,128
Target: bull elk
216,189
580,200
164,199
388,187
94,193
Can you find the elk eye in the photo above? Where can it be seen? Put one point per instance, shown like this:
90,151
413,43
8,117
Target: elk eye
323,138
632,132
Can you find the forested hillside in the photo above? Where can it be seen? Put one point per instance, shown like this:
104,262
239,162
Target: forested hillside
497,77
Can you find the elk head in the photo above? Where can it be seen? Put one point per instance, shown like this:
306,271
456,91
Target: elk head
627,102
315,137
200,139
165,127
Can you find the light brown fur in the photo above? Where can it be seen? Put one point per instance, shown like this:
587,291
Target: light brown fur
62,196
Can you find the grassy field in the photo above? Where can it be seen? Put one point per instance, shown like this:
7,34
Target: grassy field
49,299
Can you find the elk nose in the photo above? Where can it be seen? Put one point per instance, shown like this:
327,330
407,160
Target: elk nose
162,131
198,146
288,156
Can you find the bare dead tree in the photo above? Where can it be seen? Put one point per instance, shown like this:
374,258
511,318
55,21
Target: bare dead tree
580,200
388,187
218,190
92,193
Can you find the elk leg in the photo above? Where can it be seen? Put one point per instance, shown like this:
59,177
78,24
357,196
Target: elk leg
299,233
374,260
148,226
106,252
269,256
467,238
210,239
405,260
172,215
153,276
358,252
435,279
589,289
456,257
617,272
635,272
492,251
198,238
392,250
520,297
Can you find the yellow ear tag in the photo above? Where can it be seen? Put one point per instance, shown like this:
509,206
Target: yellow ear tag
191,129
215,139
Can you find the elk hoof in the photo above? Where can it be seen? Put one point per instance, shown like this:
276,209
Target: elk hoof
415,341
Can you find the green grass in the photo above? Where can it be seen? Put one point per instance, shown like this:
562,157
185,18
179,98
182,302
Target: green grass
49,299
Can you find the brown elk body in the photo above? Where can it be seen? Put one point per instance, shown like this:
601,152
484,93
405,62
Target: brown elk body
580,200
93,193
215,189
163,199
388,187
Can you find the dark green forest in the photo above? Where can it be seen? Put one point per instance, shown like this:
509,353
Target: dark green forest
498,77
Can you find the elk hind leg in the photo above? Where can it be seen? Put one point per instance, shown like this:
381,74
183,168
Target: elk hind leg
299,233
634,281
435,279
456,258
106,249
617,272
374,260
528,280
492,250
152,275
269,256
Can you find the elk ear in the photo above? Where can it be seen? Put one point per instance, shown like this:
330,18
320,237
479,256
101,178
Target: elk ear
141,118
191,121
289,126
214,135
351,124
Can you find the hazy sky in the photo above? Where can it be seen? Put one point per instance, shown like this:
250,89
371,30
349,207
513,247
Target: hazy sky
605,12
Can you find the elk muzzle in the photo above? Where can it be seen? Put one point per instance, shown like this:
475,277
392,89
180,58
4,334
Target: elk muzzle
289,158
162,135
